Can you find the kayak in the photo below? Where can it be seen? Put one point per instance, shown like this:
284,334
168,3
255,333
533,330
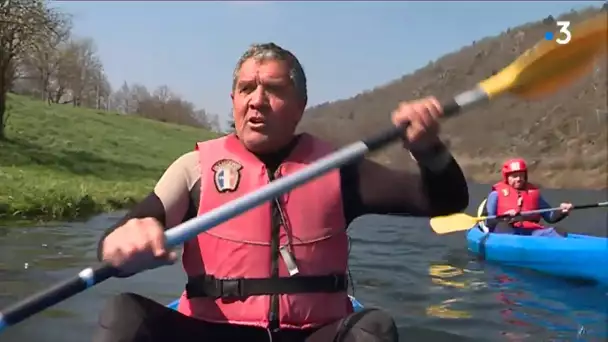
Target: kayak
576,256
357,306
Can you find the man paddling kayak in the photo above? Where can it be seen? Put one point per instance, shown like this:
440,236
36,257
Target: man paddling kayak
277,272
514,194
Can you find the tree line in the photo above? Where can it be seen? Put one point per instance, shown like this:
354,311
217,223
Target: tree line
42,58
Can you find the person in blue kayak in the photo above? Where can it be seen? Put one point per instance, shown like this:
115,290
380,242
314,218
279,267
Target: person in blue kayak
515,194
278,272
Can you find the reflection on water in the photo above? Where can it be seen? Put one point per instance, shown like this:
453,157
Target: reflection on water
574,309
534,305
442,275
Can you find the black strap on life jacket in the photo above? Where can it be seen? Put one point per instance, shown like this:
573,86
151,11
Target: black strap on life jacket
209,286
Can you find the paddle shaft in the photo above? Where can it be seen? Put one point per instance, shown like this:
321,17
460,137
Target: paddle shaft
540,211
190,229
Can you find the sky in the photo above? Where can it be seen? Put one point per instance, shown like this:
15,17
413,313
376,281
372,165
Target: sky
345,47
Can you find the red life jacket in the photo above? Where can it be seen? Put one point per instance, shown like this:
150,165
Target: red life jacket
509,199
313,234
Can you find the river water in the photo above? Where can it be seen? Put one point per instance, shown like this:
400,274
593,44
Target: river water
429,283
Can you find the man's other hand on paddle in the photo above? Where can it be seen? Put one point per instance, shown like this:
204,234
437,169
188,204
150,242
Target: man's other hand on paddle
138,245
421,117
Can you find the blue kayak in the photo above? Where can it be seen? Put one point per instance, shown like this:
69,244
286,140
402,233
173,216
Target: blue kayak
356,304
575,256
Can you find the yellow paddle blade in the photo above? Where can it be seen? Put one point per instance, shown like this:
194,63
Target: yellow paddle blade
548,66
453,223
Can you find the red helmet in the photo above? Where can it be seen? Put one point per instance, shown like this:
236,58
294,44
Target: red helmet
513,165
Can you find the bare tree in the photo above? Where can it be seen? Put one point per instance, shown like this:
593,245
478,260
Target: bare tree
213,123
163,94
203,117
166,106
138,94
120,99
23,25
60,84
124,100
97,90
40,63
83,69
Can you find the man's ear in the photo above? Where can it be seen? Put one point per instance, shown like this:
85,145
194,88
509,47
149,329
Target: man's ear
232,96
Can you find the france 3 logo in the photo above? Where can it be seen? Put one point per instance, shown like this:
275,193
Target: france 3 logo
563,36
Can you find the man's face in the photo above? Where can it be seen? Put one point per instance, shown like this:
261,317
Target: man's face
266,106
517,179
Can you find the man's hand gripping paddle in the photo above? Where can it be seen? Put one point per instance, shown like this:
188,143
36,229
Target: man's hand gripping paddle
541,70
459,222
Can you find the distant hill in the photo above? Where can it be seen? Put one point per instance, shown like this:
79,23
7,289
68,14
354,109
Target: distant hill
564,136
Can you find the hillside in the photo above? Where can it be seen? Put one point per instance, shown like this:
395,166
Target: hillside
62,162
564,136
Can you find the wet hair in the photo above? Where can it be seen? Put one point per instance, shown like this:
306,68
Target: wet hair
271,51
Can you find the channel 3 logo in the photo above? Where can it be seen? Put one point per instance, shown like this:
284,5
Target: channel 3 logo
564,35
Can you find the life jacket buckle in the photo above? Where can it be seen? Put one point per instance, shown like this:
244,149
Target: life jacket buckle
230,288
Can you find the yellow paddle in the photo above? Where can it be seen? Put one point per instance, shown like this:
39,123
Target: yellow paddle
459,222
549,66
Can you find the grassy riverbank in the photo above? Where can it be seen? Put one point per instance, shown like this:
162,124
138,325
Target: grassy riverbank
61,162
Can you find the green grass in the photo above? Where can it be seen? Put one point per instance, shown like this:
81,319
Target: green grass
61,162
